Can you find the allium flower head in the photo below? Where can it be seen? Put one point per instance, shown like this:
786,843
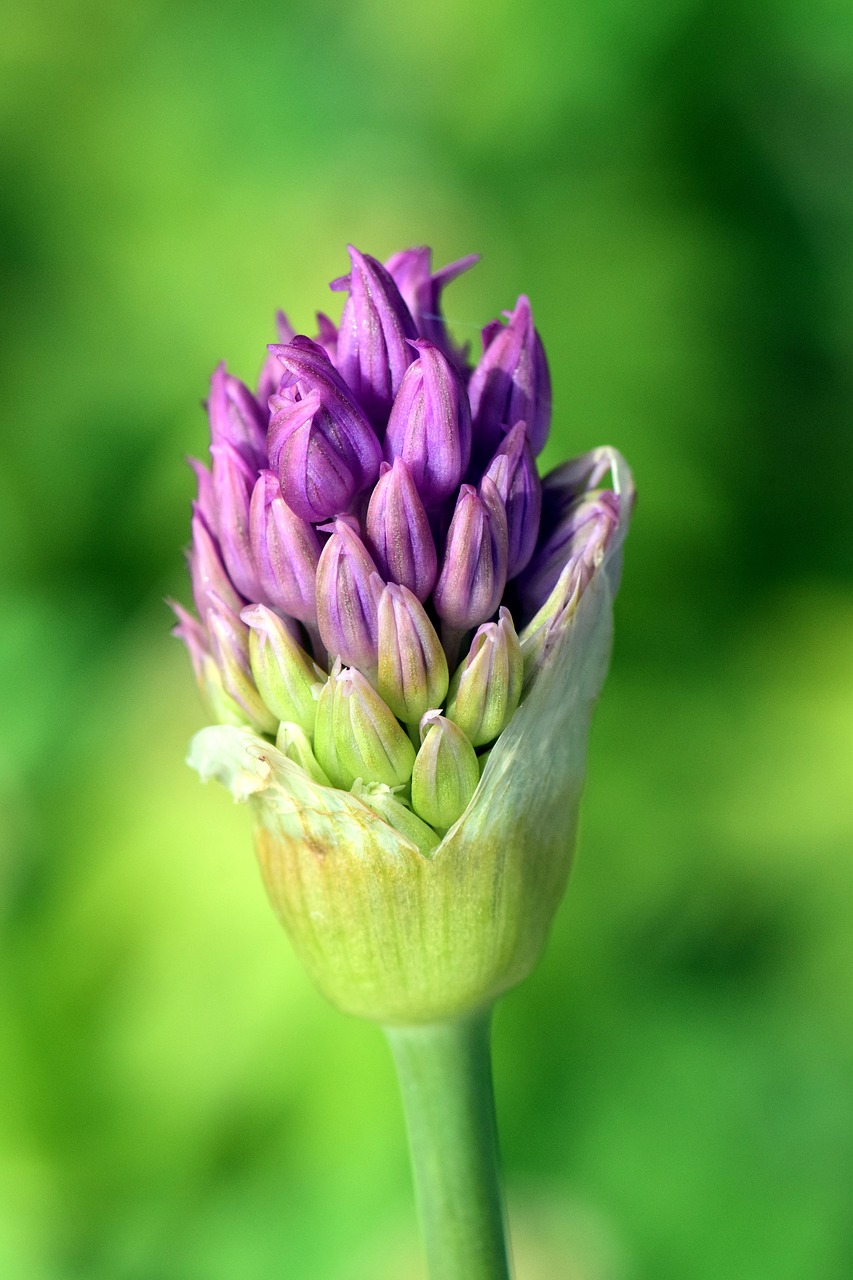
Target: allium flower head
401,633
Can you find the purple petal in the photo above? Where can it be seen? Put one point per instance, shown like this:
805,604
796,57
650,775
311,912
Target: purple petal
270,375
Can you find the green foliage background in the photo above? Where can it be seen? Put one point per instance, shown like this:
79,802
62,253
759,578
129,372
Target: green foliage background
668,182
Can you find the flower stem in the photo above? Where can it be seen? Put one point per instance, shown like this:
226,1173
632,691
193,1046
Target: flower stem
446,1081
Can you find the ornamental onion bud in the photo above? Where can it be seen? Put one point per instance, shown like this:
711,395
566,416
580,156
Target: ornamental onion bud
446,772
485,690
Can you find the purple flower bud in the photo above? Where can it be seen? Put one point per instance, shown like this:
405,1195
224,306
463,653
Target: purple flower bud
229,642
372,349
513,470
236,418
204,502
473,572
285,549
398,532
192,633
269,378
420,288
430,425
348,591
511,382
207,571
580,538
233,481
320,443
327,336
412,674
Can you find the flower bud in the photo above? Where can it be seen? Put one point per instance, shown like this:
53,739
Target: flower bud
356,734
204,503
236,418
420,288
207,572
348,591
320,444
580,537
193,635
430,425
327,336
269,379
473,571
398,531
486,688
233,481
229,643
511,382
513,470
293,742
285,676
412,675
372,349
445,774
397,814
285,549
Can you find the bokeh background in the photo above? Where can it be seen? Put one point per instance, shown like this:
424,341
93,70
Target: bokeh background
670,183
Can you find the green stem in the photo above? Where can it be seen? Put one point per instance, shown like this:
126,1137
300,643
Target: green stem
445,1078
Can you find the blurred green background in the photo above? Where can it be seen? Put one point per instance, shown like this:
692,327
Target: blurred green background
669,184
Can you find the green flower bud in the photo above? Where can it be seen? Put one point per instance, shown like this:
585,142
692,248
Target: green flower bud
486,688
412,666
356,734
446,772
229,638
397,814
286,677
293,742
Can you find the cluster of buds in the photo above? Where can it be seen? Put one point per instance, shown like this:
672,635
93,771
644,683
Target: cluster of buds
379,574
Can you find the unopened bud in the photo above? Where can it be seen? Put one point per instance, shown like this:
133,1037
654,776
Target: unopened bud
397,814
236,418
356,734
430,425
372,349
412,674
486,688
229,642
513,470
233,481
445,774
398,531
320,444
348,591
511,382
285,676
286,549
473,572
294,742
